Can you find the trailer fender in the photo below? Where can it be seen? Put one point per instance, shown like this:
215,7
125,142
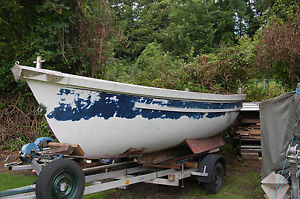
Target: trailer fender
207,164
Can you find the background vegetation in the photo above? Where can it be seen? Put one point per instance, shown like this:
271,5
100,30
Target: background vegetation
200,45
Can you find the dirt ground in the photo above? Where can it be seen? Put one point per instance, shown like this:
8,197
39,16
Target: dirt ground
14,157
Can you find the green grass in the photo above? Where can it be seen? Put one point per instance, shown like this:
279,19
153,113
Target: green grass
237,186
9,180
100,195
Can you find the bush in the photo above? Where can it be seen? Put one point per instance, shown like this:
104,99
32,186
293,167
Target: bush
222,72
259,90
155,67
120,70
280,52
20,121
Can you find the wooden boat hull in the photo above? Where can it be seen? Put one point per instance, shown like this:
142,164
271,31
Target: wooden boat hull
109,118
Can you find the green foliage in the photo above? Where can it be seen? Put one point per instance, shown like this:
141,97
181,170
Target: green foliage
155,67
262,90
279,49
181,27
222,72
89,37
229,148
281,11
96,29
202,46
120,70
36,28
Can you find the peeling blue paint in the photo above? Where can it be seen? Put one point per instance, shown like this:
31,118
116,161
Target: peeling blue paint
76,104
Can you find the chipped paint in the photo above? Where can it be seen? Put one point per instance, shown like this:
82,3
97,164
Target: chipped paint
76,104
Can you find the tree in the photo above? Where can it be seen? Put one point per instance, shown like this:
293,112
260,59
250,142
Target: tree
96,30
36,28
279,47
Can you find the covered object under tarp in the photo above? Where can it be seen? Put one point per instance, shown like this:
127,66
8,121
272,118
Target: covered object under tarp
279,127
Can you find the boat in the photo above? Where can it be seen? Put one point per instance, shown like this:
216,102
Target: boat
109,118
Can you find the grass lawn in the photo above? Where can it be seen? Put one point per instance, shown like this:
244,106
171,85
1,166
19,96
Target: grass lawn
238,185
8,180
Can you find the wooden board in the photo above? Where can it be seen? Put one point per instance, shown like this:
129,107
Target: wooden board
250,150
66,148
254,132
243,132
249,121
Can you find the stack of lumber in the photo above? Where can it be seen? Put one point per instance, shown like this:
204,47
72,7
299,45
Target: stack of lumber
248,134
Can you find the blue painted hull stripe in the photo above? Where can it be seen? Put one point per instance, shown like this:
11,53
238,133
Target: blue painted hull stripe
84,105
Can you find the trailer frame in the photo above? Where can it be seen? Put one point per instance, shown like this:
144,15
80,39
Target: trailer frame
170,171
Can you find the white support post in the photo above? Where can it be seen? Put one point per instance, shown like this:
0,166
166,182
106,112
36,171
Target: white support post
38,62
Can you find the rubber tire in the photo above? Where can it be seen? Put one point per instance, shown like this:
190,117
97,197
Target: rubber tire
49,173
217,182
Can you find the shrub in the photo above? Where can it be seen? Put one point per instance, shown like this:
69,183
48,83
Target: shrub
280,52
20,122
155,67
259,90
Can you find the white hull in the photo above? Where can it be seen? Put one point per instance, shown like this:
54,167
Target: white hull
136,133
108,118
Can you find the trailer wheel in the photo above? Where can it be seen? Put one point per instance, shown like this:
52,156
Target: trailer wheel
61,178
215,185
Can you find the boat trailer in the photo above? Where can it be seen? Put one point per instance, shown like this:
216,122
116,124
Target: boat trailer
61,176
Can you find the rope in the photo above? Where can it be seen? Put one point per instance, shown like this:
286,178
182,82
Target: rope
280,187
297,141
284,164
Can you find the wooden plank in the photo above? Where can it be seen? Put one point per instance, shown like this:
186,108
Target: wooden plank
162,156
205,144
254,126
61,146
243,132
175,166
251,146
243,128
191,164
250,121
254,132
250,139
255,137
66,150
250,150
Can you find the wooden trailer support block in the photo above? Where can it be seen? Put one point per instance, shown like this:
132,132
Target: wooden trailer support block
169,158
65,148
